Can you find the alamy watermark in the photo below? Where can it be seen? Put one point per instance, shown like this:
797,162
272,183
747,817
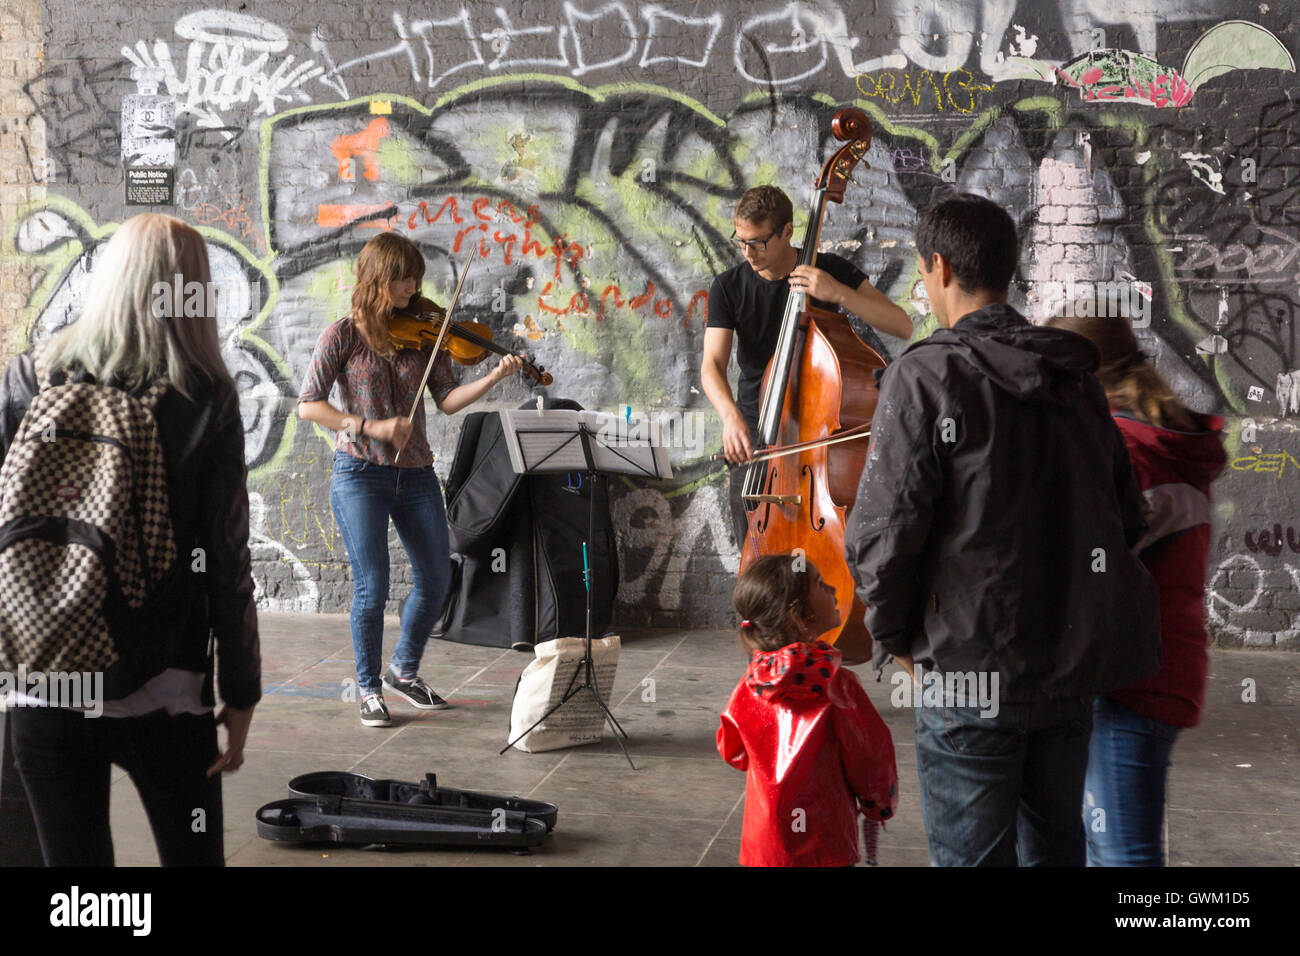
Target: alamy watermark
84,909
72,690
950,689
181,299
670,429
1123,298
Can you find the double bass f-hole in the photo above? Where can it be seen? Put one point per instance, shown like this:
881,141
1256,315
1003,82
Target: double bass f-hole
816,522
769,476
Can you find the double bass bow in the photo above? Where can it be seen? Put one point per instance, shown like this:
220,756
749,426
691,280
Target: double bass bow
818,396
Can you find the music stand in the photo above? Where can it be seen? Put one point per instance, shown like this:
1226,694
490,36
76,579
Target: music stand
594,443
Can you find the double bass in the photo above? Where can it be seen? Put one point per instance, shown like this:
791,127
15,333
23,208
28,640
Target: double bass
818,397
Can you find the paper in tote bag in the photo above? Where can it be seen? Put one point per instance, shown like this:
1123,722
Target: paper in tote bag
543,684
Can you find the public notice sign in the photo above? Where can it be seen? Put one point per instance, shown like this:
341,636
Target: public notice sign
149,187
148,141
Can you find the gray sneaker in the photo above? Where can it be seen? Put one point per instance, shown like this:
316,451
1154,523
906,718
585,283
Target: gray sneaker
416,692
373,711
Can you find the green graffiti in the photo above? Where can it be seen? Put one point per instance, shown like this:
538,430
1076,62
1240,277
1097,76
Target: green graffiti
331,286
53,264
397,159
1234,45
1053,107
689,488
958,88
597,94
56,263
587,282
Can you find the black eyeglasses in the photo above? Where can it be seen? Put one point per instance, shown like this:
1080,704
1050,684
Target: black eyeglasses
758,245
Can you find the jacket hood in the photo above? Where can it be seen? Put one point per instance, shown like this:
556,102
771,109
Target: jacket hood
795,672
1197,457
1036,364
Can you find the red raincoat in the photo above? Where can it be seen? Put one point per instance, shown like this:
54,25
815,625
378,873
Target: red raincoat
815,752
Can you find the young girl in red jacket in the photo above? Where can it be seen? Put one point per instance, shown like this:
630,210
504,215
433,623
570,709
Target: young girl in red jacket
815,751
1176,453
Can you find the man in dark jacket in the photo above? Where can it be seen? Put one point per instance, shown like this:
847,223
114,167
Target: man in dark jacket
990,543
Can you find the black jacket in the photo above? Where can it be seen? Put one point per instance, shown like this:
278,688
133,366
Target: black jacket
993,522
537,524
203,442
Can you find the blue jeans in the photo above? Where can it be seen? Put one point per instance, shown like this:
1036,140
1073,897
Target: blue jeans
364,496
1128,764
1004,790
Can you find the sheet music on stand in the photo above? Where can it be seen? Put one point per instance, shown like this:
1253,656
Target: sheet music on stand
594,444
551,441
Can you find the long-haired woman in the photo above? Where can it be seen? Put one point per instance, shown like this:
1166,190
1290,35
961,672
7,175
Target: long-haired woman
383,467
162,731
1176,454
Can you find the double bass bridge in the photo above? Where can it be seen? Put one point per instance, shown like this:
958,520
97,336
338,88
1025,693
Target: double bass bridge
776,499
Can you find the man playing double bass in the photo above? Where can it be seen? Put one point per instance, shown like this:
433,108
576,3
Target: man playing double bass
747,301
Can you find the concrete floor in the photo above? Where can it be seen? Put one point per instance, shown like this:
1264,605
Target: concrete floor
1234,795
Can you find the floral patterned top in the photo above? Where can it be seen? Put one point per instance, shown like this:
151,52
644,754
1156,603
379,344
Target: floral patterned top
375,387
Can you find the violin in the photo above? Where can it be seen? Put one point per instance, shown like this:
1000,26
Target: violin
818,399
419,326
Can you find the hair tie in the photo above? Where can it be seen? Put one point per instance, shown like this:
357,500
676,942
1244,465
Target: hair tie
746,624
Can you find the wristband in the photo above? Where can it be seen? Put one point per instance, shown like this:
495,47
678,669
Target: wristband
362,430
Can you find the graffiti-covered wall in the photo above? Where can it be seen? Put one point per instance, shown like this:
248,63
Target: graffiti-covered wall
591,152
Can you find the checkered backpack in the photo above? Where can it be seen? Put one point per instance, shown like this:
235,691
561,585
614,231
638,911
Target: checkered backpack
86,540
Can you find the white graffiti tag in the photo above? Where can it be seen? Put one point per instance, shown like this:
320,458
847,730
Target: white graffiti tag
271,556
1224,613
779,45
671,542
228,63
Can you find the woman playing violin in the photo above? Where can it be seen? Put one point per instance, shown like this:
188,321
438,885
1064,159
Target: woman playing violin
379,385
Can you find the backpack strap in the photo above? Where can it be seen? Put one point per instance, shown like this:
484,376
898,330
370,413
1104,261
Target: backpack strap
42,369
45,379
153,394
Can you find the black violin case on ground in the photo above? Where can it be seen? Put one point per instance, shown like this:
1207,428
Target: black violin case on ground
340,807
516,544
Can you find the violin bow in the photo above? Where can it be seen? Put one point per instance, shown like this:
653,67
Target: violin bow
442,334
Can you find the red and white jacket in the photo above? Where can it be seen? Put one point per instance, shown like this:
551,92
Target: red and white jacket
1174,471
815,752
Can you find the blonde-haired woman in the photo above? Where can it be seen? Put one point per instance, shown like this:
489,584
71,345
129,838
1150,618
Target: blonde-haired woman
163,732
1176,454
378,385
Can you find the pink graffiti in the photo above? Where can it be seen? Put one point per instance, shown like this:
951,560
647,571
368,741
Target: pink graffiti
1167,89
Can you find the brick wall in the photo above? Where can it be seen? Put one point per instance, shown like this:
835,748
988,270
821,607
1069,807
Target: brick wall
594,150
22,155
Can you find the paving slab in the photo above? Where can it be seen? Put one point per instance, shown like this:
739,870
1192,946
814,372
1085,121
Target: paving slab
1234,793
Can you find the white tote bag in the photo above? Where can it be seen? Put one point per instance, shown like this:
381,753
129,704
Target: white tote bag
543,684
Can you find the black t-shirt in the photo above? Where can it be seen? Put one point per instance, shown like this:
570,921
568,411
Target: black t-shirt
743,300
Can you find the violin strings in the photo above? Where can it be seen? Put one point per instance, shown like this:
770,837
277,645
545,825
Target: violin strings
475,339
